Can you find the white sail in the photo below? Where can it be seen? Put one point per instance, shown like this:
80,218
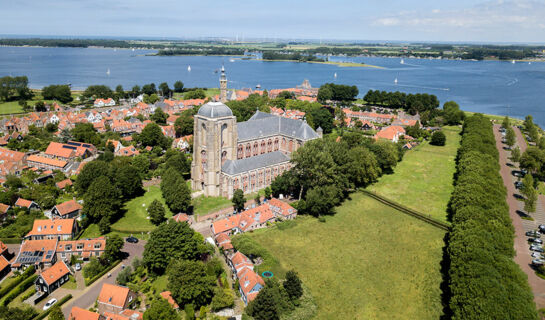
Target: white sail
402,61
335,75
108,72
395,81
189,68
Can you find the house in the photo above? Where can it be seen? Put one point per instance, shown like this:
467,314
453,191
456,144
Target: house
11,162
181,217
404,122
63,184
366,125
392,133
60,229
182,143
66,210
5,267
78,313
126,314
70,150
52,278
167,296
282,210
84,248
4,251
104,103
129,151
250,219
44,163
114,299
239,261
4,211
31,205
38,253
250,283
115,144
224,242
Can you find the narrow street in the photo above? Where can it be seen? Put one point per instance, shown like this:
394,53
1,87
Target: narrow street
86,298
522,255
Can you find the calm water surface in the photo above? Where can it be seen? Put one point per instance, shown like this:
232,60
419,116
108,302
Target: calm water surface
484,86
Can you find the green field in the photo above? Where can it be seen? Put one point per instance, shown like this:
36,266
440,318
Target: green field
135,219
204,205
497,118
423,180
368,261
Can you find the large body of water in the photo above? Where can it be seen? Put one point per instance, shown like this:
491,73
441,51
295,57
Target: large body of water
483,86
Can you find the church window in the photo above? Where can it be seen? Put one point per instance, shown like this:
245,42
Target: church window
248,150
263,149
256,151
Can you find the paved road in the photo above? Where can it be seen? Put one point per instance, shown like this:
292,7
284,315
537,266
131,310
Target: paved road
522,255
86,298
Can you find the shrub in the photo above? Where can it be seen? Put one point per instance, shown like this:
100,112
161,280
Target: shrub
438,138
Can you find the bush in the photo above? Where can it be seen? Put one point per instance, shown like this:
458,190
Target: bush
438,138
28,272
223,298
20,289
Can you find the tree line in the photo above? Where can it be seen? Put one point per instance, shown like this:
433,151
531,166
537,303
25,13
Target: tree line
337,92
293,56
483,279
413,103
14,88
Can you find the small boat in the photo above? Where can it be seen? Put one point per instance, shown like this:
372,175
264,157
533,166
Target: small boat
108,72
231,60
529,63
402,61
132,49
335,75
188,68
395,81
258,86
513,61
216,71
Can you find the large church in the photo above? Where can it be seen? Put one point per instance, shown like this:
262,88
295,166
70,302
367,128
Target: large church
248,155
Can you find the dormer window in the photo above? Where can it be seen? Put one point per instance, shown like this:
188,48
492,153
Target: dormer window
58,228
39,229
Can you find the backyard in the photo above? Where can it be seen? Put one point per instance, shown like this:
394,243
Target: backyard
368,261
423,180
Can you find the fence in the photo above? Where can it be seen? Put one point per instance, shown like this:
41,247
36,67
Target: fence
422,216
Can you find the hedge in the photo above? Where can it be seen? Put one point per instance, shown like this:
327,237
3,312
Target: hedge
483,280
98,276
59,303
20,289
11,240
28,272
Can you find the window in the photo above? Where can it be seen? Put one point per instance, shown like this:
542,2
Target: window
97,245
79,246
68,247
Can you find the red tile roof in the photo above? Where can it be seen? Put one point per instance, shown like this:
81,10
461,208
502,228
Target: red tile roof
113,295
52,227
166,295
62,184
4,208
47,161
68,207
78,313
23,203
181,217
57,271
4,263
248,279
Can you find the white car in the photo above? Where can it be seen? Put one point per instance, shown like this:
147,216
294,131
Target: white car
50,303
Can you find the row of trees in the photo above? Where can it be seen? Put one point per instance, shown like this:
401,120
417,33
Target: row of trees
60,92
104,92
413,103
14,88
484,281
325,170
337,92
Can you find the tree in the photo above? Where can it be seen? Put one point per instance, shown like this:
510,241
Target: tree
56,313
386,154
264,306
268,193
510,137
184,125
141,163
238,200
149,89
189,283
61,93
165,90
135,91
156,212
321,200
160,309
257,199
153,136
97,92
515,154
452,113
40,106
322,118
189,311
505,124
151,99
124,276
128,181
362,167
170,241
195,94
114,244
438,138
532,159
222,299
159,116
178,86
89,173
85,132
102,200
292,285
529,192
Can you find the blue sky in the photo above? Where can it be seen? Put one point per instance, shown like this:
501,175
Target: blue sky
417,20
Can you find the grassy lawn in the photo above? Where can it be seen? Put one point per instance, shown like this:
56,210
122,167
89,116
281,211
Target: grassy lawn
160,284
135,219
423,180
10,107
366,262
204,205
70,284
541,187
18,302
498,118
92,231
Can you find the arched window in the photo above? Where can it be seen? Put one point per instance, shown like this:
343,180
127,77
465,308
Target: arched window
290,146
263,148
240,152
276,147
224,134
203,134
256,148
203,159
269,146
248,150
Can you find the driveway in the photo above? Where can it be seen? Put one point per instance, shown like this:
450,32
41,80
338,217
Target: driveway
522,252
86,298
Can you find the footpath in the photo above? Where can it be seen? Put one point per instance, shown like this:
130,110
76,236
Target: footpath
522,253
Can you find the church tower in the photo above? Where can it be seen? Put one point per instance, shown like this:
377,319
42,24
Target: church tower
214,142
223,86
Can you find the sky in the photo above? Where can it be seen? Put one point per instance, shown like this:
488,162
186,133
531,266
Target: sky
394,20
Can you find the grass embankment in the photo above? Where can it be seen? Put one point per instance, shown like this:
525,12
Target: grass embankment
348,64
204,205
423,180
135,218
13,107
497,118
368,261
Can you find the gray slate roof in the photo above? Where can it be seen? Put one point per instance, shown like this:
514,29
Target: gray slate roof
233,167
263,124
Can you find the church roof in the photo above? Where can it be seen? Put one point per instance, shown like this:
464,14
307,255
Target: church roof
215,110
233,167
263,124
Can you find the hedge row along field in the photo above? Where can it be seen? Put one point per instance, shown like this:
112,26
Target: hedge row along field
484,281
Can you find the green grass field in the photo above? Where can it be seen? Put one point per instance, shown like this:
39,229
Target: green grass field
423,180
204,205
368,261
135,219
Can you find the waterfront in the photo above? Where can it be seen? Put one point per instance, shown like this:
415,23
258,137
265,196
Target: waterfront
494,87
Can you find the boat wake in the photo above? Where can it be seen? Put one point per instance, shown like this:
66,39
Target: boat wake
512,82
423,87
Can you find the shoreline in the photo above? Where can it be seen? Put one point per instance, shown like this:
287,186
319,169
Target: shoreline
340,64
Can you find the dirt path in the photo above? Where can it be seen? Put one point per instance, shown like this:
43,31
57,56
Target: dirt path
522,255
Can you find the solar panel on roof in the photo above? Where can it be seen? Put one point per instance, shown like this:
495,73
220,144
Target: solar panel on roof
86,145
69,147
73,143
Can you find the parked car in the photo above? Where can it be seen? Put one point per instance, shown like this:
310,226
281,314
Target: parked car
538,262
541,228
132,239
536,248
78,266
524,171
518,185
535,240
533,233
49,303
538,255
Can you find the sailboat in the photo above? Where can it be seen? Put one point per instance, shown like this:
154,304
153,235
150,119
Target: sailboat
132,49
108,72
188,68
529,63
231,60
395,81
402,61
335,75
513,61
